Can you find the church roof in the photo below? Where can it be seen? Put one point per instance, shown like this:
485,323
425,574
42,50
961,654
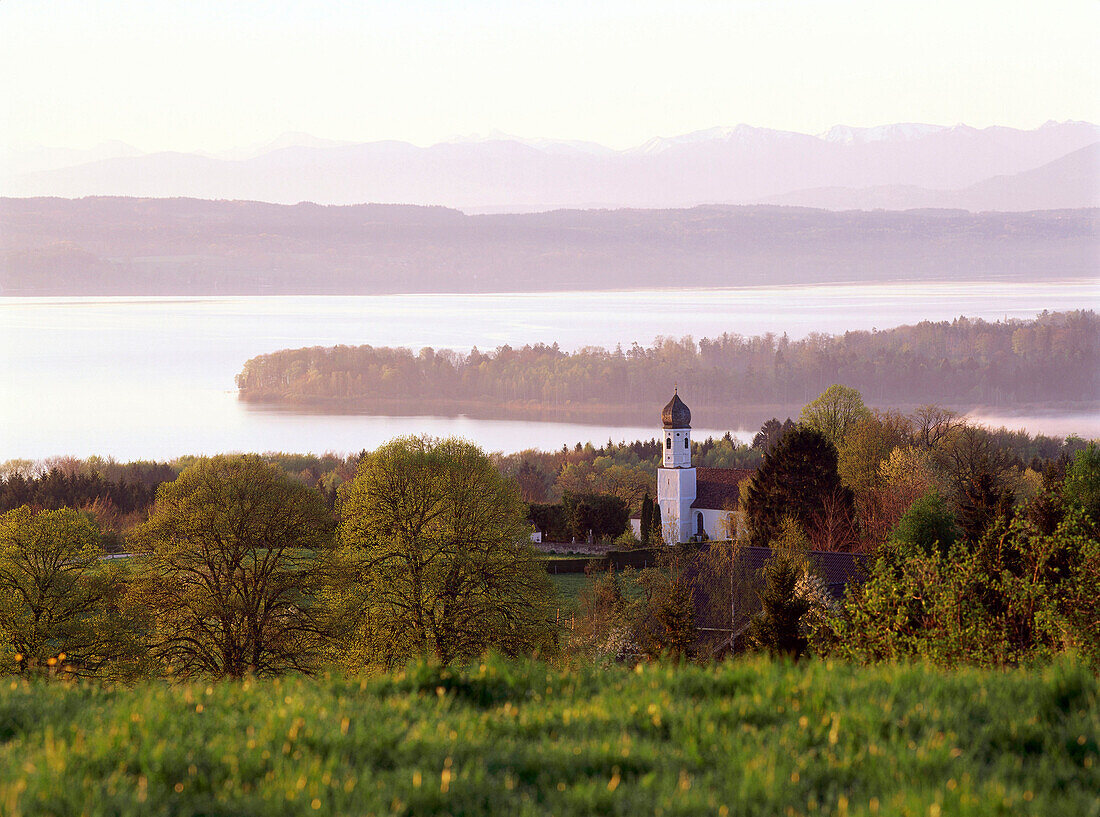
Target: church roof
676,414
718,489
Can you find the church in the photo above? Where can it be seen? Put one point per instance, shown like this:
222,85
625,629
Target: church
696,503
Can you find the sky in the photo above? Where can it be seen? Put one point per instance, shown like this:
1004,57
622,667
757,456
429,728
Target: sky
202,75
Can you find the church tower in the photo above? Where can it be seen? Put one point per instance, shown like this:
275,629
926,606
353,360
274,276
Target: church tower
676,477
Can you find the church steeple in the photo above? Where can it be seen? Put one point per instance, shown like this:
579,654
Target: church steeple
676,478
676,420
676,414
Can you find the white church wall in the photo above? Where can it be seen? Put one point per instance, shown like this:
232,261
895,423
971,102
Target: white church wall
720,524
675,493
677,451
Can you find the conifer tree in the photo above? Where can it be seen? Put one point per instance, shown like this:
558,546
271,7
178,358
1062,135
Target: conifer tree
777,627
647,519
796,478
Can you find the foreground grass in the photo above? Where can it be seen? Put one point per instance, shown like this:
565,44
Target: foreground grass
746,738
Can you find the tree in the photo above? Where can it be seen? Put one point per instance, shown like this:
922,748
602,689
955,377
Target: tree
979,477
797,478
771,433
867,445
662,620
728,594
603,628
604,515
904,477
627,483
1081,486
646,523
777,627
57,599
835,413
934,425
675,614
1019,595
232,570
534,481
928,526
437,558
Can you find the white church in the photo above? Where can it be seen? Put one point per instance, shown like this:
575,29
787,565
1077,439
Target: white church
696,503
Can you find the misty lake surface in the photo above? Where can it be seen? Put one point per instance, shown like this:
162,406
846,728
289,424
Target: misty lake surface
152,378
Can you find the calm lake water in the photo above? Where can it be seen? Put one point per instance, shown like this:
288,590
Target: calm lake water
152,378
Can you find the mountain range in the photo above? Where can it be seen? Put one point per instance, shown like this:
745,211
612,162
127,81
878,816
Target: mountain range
900,166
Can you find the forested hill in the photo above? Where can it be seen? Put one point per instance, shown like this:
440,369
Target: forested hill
1051,360
122,246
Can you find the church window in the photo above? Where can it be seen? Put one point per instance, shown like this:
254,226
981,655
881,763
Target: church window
685,442
668,442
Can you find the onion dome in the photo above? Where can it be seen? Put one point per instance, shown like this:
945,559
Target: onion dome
676,414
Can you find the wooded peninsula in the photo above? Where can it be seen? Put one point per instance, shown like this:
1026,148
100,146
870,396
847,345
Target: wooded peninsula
1052,361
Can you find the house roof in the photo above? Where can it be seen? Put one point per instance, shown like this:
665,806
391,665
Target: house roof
718,489
836,570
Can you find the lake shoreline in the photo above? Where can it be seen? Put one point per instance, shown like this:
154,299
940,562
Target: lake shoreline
748,416
154,377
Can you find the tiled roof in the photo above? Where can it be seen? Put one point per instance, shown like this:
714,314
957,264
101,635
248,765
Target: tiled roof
837,571
717,489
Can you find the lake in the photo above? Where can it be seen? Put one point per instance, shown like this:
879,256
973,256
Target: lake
152,378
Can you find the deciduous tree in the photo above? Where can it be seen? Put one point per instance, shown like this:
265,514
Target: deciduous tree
231,570
57,598
437,558
835,412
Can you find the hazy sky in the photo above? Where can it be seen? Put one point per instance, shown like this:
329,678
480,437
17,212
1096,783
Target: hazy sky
194,74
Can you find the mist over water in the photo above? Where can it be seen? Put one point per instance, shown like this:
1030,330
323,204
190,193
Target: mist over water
152,378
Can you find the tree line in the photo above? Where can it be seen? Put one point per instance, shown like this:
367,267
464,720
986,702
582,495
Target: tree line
243,567
1052,358
967,556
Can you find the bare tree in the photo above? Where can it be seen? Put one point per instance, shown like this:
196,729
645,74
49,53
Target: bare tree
934,425
832,526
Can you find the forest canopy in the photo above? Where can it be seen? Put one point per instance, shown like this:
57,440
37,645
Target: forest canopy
1051,359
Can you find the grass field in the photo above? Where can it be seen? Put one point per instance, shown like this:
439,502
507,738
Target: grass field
745,738
568,587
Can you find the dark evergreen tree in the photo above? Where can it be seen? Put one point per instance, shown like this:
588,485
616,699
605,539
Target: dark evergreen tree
676,617
581,520
777,627
795,479
647,520
982,502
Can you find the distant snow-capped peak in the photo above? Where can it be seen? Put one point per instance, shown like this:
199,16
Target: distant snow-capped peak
901,132
543,144
744,134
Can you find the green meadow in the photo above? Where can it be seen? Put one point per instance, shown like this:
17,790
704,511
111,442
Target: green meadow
751,737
